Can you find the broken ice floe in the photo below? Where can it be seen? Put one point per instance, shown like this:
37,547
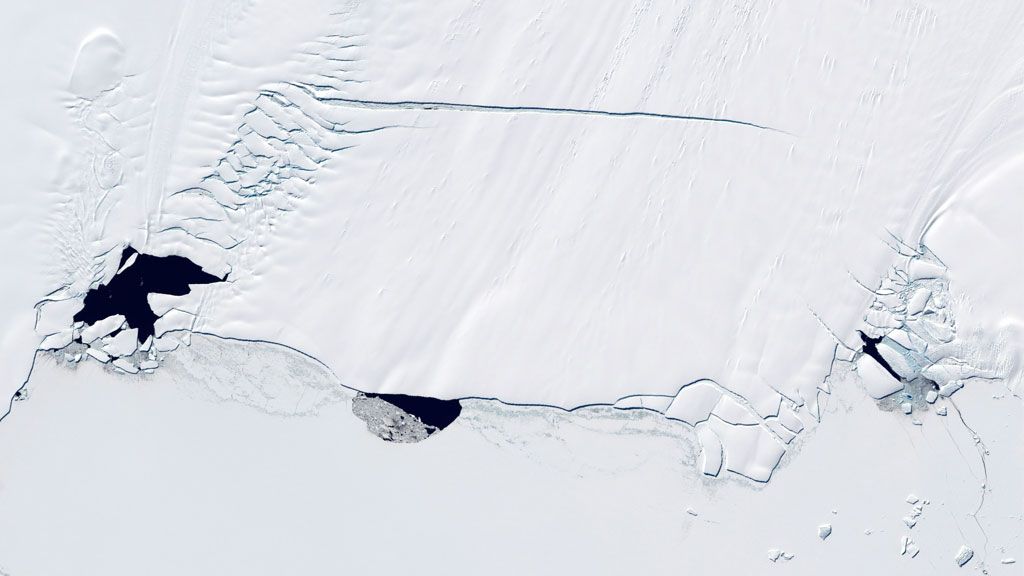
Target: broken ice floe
732,434
911,358
963,556
114,321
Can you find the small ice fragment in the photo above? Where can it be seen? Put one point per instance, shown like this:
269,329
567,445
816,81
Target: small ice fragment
931,396
102,328
963,556
916,422
912,499
867,531
949,388
904,540
824,531
788,555
691,511
1007,561
148,364
913,550
941,411
69,357
907,407
910,522
125,365
774,554
99,355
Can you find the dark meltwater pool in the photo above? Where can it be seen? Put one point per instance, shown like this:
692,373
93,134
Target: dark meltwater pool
432,411
127,291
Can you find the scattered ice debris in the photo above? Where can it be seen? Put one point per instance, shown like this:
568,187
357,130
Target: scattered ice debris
963,556
691,511
904,543
402,418
941,411
824,531
73,358
909,336
1007,561
911,519
775,555
867,531
916,422
148,365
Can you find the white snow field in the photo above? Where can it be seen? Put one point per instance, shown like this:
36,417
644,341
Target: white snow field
706,277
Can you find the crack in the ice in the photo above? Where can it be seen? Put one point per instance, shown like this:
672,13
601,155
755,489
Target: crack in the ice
508,109
979,444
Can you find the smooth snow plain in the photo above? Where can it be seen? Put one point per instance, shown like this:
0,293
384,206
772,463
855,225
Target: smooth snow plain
640,239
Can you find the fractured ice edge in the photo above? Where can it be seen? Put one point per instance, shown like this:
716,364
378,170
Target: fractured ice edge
293,128
908,362
912,330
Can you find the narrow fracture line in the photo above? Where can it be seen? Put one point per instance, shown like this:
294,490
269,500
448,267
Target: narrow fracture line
502,109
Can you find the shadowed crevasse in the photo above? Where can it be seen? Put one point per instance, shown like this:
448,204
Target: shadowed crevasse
127,291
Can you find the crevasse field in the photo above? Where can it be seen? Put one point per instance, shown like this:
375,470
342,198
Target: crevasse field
532,287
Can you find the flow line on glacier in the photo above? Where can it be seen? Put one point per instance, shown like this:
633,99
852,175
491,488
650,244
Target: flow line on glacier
505,109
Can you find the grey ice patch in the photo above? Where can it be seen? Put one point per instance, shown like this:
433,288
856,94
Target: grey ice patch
269,377
915,394
389,422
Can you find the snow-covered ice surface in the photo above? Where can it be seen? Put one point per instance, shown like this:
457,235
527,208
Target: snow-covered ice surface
705,276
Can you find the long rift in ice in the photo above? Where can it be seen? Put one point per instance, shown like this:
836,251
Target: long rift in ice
509,109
